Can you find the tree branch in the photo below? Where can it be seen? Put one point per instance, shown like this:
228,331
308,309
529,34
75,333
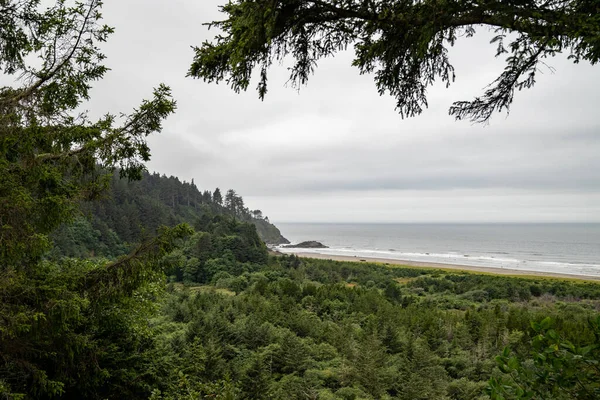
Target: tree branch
51,73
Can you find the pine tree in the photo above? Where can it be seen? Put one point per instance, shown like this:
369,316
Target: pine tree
58,317
217,198
403,43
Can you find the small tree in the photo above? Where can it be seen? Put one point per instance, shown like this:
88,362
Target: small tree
231,201
257,214
217,197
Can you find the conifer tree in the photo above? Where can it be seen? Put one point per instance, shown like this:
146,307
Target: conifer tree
68,327
217,197
403,43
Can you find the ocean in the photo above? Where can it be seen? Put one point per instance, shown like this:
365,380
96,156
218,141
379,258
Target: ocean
559,248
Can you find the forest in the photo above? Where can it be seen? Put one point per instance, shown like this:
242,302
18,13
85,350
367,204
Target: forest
130,211
296,328
120,284
222,317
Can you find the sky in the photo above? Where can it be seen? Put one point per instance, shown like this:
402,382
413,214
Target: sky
336,151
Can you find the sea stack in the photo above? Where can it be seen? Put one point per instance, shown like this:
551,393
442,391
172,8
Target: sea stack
310,244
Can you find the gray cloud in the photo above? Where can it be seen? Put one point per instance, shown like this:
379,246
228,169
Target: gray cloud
337,151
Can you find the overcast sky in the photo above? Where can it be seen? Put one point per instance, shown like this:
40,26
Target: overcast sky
338,152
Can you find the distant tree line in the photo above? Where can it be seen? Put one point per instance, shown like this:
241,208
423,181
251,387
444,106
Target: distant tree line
130,212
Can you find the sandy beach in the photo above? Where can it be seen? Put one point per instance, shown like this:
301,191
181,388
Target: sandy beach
469,268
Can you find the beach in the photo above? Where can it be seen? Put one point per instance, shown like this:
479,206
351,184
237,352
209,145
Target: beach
537,250
455,267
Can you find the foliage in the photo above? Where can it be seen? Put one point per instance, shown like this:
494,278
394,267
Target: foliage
307,329
129,212
73,327
557,369
403,43
223,251
241,325
49,155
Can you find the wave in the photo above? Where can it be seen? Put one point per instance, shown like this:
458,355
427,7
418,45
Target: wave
489,260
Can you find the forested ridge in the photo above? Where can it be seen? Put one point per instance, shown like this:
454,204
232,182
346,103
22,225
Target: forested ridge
130,211
221,318
224,319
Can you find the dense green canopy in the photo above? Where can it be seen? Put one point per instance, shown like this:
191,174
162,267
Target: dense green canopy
57,317
49,151
404,43
234,323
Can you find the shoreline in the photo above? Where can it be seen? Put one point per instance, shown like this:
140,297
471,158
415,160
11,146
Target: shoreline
454,267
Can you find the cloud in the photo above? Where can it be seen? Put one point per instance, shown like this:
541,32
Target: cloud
445,206
339,148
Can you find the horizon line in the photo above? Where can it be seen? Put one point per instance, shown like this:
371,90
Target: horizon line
442,222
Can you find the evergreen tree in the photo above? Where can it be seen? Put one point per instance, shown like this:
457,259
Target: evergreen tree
404,43
58,317
231,202
217,197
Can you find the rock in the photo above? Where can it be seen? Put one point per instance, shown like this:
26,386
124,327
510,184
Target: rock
311,244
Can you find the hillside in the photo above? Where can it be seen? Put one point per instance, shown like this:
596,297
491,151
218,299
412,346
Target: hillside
233,322
132,211
306,329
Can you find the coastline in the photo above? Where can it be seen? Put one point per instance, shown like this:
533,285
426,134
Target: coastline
454,267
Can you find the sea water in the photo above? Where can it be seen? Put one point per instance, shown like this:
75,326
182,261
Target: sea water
559,248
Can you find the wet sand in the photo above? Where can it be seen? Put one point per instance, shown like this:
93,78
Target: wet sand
456,267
